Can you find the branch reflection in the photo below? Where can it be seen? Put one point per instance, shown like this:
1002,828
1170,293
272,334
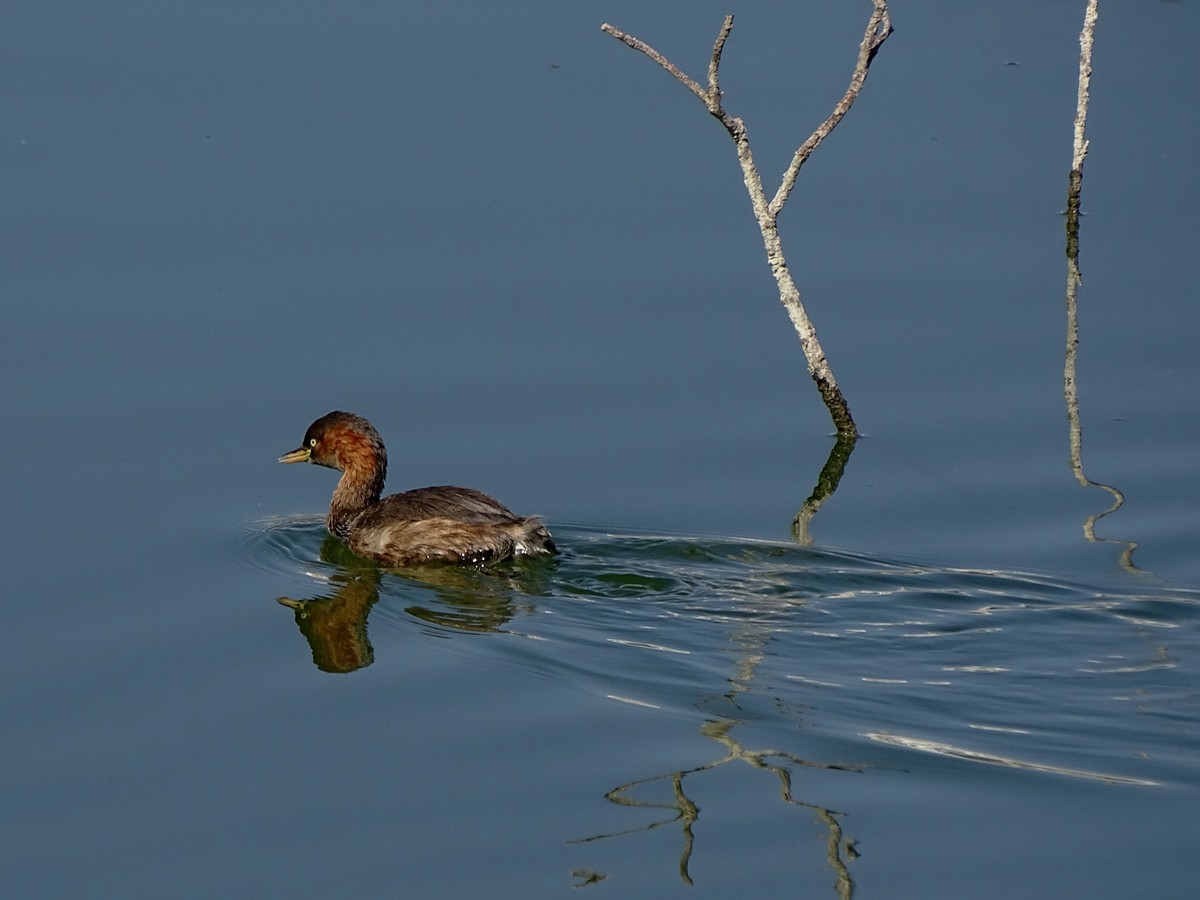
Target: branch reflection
687,813
827,482
1071,382
839,851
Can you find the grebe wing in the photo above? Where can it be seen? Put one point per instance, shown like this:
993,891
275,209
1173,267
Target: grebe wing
443,502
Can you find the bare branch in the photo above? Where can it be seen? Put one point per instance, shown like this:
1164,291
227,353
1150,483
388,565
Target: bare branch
643,47
1085,80
878,28
1075,182
714,67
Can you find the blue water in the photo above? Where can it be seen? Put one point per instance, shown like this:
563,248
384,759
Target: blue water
526,255
951,727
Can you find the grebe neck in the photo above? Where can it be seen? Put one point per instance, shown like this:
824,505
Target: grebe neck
360,486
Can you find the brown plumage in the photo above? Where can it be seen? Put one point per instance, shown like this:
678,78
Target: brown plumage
433,524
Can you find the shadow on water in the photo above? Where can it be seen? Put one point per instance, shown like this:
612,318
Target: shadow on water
965,667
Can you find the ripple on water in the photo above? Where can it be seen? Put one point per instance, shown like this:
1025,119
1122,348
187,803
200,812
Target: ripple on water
984,667
282,545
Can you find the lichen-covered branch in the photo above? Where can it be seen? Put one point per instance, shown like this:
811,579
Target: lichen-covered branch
1075,182
1085,80
643,47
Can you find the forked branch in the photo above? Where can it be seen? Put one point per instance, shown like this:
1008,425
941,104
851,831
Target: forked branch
767,213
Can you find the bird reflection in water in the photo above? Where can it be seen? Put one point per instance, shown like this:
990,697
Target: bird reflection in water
335,626
470,598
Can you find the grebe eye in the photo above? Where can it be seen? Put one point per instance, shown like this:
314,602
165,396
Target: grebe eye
312,442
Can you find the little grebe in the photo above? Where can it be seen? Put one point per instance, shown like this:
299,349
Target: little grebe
433,524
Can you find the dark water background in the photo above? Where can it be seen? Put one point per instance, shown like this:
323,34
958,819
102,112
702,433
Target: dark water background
526,254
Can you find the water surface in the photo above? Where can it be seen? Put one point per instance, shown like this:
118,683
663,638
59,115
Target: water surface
526,254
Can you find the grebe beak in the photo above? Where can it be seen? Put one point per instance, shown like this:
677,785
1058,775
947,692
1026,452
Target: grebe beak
302,455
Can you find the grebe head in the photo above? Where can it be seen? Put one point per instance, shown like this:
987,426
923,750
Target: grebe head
342,440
